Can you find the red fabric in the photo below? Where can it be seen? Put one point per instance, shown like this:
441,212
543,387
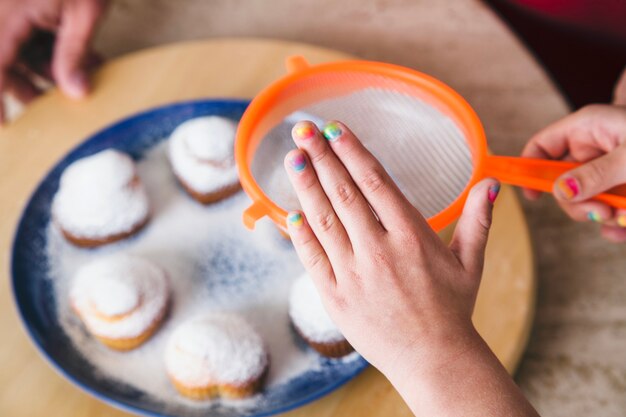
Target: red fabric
606,16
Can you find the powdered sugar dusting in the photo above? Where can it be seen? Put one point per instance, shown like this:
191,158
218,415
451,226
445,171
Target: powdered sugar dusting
201,153
308,313
215,349
98,196
119,285
213,264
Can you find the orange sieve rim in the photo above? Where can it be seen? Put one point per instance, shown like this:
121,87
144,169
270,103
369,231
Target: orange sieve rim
444,97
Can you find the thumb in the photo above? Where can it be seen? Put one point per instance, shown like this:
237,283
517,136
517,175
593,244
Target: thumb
78,22
470,236
593,177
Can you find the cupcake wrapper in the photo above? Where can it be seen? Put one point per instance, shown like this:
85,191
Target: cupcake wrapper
246,389
335,349
212,197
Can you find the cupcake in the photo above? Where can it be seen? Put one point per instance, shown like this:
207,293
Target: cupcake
201,152
121,300
216,355
312,323
100,200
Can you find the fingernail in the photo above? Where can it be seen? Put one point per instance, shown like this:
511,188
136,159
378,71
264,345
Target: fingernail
594,217
298,162
621,220
294,219
332,131
568,187
303,130
78,85
492,194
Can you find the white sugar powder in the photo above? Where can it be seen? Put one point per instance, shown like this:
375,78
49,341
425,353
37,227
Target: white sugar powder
215,348
98,198
213,264
308,313
201,153
119,284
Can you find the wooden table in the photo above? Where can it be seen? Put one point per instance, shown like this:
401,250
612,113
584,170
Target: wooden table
460,42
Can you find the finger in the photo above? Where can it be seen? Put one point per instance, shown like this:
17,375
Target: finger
613,234
594,124
309,250
19,86
588,211
351,207
12,35
383,195
78,22
472,230
320,214
531,195
617,219
593,177
620,218
548,143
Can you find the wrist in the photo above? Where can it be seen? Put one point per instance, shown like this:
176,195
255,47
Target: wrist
423,355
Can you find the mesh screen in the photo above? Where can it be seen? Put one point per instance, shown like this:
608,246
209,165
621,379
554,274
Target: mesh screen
423,149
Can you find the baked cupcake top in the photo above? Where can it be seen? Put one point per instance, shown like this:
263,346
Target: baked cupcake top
215,349
201,152
119,297
100,196
308,313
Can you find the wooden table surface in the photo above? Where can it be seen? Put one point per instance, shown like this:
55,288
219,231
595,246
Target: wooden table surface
574,364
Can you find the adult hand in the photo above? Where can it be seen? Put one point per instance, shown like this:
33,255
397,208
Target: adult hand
73,21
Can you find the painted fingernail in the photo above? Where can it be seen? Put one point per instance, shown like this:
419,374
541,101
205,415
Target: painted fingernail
332,131
295,219
303,130
594,217
621,220
568,187
492,194
298,162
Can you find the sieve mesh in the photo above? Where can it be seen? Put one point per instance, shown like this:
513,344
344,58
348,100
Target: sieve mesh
422,148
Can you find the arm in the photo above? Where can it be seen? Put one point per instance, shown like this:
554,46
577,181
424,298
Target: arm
402,298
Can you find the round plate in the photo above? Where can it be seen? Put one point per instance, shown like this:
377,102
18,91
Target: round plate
35,297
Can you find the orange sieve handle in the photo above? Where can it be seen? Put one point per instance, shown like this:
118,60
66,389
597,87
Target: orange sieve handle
540,175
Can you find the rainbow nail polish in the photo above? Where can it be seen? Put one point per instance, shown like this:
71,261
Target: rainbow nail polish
303,131
332,131
298,162
594,217
492,194
568,187
295,219
621,220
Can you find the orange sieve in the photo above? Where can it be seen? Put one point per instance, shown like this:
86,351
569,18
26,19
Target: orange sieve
424,133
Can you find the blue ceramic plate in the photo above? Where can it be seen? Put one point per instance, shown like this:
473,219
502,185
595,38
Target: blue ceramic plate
36,301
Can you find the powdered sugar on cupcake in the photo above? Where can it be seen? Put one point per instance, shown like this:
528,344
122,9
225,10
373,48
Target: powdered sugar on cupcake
201,153
308,313
215,349
100,196
119,297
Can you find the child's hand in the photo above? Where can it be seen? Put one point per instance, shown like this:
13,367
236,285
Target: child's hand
401,297
387,280
597,135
